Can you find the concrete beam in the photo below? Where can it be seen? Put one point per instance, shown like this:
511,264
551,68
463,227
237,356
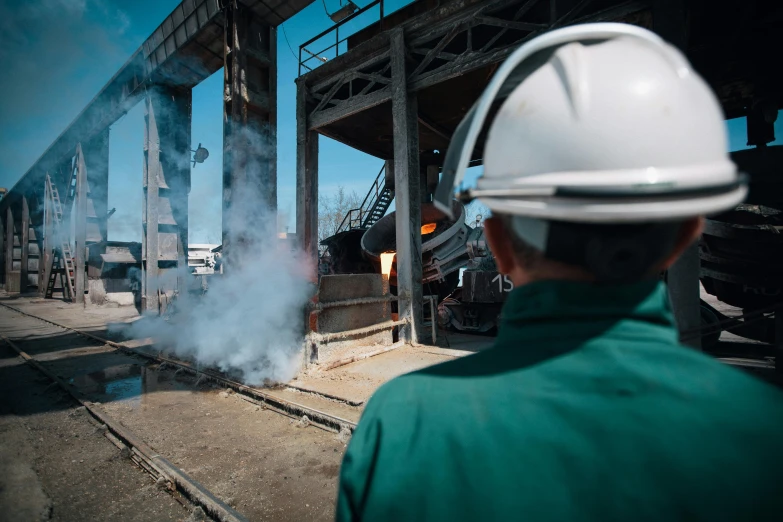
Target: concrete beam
306,181
407,192
166,189
249,130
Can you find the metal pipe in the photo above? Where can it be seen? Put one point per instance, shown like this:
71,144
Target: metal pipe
325,338
353,302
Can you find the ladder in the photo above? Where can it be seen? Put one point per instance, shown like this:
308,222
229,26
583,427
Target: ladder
379,208
62,259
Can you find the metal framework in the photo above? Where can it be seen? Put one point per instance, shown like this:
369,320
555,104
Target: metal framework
445,44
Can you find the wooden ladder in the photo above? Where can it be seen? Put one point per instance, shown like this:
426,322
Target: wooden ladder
62,260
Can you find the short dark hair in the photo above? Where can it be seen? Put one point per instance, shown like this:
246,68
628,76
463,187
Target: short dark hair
612,253
528,256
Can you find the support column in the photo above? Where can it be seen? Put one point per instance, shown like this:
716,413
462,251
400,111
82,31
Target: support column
96,159
670,22
9,247
249,133
80,228
407,192
166,188
2,251
45,262
24,243
306,181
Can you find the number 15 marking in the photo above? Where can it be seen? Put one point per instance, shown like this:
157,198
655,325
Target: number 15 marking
504,283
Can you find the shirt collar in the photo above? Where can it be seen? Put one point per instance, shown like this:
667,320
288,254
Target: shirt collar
580,310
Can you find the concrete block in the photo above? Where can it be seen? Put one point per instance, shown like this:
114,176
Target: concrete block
343,318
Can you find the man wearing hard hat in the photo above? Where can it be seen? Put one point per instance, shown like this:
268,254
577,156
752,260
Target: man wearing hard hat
605,153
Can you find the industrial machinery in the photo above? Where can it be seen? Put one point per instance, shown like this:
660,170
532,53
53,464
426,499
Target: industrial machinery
443,243
741,250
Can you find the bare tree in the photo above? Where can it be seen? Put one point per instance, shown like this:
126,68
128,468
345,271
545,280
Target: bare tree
332,211
476,213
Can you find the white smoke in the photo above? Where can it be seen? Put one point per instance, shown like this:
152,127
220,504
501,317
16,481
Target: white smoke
249,323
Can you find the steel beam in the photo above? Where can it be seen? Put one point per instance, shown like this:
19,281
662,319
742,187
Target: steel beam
407,192
249,131
306,181
166,188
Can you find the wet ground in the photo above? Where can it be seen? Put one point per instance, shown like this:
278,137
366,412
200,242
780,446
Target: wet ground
266,465
55,464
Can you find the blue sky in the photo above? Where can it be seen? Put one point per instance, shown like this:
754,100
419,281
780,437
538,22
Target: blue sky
57,54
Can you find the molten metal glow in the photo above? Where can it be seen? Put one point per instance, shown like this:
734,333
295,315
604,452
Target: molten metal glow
387,258
429,228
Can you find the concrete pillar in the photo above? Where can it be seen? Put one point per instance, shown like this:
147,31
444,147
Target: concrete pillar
306,181
24,243
2,251
407,187
8,253
80,228
96,159
166,188
45,262
249,132
670,22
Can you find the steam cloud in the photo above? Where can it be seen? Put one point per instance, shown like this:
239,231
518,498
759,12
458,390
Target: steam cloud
249,322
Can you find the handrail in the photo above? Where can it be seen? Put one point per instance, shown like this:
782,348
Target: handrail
375,190
337,41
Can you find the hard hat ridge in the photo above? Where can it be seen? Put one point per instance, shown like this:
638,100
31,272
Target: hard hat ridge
601,123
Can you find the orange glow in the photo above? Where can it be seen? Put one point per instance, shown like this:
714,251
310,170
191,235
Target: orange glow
429,228
387,258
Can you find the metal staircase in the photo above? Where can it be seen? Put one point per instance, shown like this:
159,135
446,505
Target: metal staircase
373,208
62,257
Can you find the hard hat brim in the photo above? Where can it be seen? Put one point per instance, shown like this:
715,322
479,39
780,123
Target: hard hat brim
615,208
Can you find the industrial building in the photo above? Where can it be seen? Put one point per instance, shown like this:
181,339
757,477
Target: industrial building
386,281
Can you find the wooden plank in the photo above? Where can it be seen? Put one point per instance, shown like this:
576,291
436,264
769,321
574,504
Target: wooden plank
407,192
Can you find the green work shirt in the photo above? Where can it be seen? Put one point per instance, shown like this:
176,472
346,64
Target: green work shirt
586,409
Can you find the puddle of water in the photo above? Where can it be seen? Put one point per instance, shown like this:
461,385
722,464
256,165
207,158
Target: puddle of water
128,383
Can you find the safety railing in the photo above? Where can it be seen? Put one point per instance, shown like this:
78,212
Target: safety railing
309,62
356,217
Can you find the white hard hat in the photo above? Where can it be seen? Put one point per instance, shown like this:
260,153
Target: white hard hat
603,123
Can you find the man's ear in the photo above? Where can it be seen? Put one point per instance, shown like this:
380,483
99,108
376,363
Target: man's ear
689,232
500,244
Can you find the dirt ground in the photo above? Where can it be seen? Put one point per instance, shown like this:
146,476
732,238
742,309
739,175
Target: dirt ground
264,464
55,464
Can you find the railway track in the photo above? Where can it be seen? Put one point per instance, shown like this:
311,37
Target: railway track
61,352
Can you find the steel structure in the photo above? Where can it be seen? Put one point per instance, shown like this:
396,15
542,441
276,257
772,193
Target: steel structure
195,40
398,89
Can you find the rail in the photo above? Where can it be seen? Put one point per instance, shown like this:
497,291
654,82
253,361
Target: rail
358,217
318,56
